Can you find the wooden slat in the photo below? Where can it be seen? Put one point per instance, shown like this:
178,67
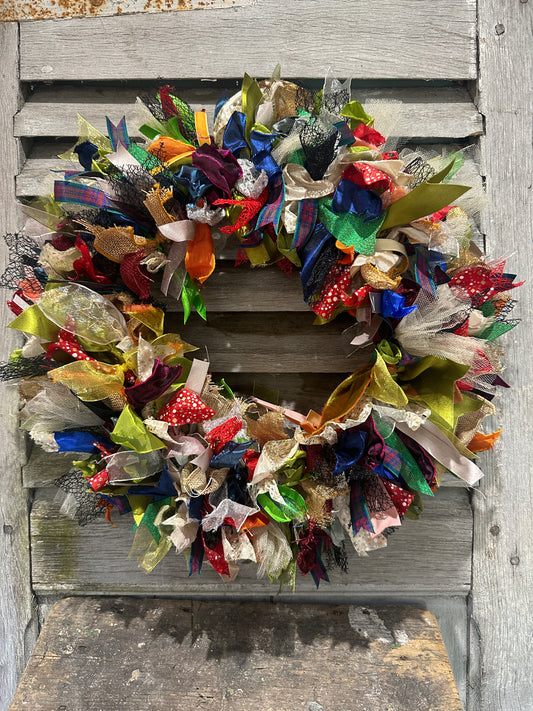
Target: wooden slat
244,288
429,555
424,113
375,39
502,615
277,658
40,9
270,343
18,628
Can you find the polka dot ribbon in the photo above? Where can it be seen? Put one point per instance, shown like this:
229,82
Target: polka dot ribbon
184,408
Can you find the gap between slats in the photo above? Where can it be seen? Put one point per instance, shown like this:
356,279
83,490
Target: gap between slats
424,112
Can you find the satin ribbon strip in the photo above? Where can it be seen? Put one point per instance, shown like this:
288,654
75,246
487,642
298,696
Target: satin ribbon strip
118,135
197,375
434,441
180,233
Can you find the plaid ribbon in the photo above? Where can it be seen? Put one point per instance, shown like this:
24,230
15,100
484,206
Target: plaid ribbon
423,274
118,134
67,191
305,222
271,213
359,511
392,460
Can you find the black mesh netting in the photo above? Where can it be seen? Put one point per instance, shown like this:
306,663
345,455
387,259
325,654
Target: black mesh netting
26,367
318,143
23,253
88,504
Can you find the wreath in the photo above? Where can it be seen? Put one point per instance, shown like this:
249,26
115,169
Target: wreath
296,177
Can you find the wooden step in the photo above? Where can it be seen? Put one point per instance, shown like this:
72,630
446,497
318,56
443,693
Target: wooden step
128,653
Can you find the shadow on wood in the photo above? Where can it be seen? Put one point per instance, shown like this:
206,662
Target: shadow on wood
128,653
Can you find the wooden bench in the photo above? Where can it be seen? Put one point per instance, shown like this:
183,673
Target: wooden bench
424,54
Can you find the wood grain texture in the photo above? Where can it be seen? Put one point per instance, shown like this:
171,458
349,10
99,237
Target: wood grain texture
375,39
502,618
424,112
41,9
432,555
18,628
278,658
449,611
270,342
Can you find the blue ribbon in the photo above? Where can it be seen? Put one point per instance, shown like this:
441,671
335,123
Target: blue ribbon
348,450
234,135
230,455
349,197
195,181
260,144
311,253
393,305
74,441
85,152
164,487
118,134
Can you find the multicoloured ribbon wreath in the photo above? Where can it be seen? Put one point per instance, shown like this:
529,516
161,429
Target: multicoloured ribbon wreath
298,178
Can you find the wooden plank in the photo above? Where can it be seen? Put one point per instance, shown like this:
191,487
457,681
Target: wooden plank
18,628
502,616
373,40
41,9
450,613
425,112
242,289
426,556
278,658
270,343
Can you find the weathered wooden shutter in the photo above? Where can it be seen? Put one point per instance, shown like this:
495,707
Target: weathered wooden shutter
420,53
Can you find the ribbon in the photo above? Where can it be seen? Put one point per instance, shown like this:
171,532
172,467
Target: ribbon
118,135
350,197
202,131
130,431
423,200
153,387
271,213
349,228
74,441
67,191
185,407
434,441
220,166
180,233
197,375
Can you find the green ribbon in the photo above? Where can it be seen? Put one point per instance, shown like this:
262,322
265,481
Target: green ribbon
191,297
294,507
252,96
357,115
131,432
421,201
32,320
434,381
349,228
